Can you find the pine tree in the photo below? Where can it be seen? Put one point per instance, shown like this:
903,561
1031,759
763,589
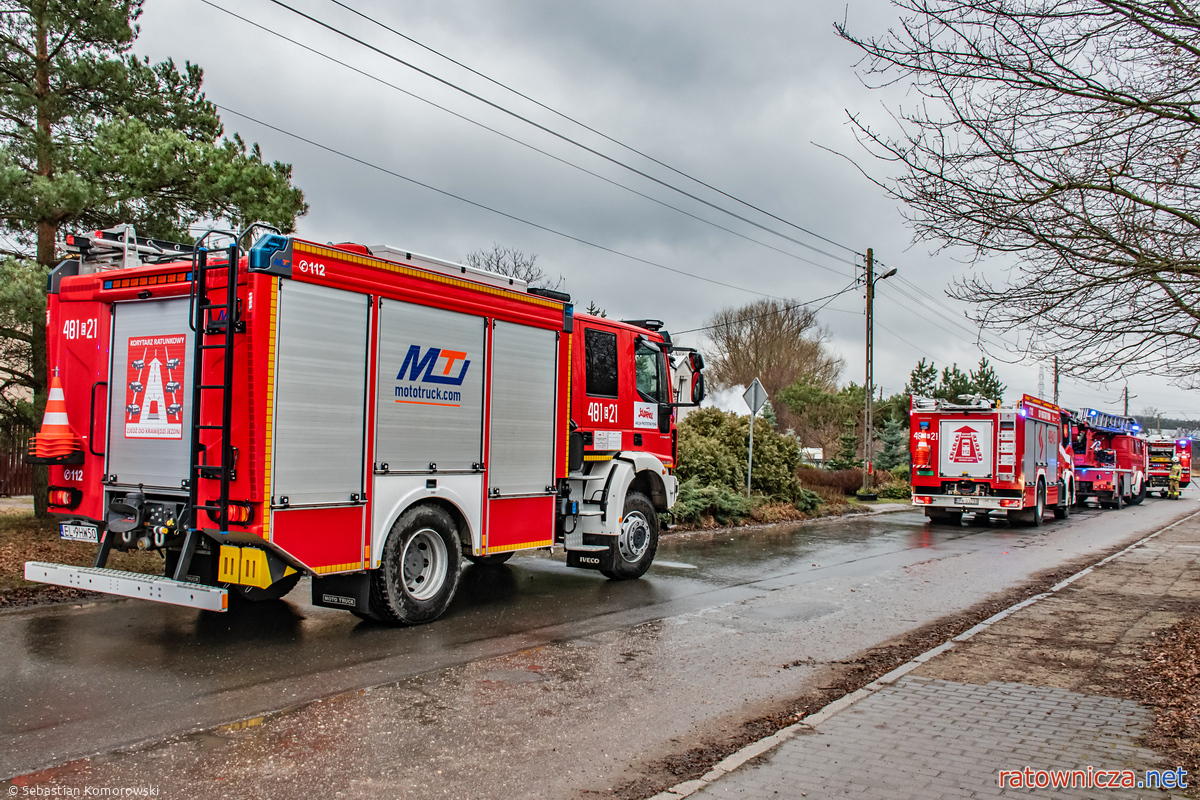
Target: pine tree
91,137
923,380
986,382
894,449
847,457
768,413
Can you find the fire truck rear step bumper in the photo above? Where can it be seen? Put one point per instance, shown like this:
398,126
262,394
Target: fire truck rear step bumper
980,504
129,584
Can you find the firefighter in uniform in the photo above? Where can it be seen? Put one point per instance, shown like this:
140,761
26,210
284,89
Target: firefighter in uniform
1173,479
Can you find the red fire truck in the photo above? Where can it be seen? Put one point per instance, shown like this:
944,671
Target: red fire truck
1161,454
1111,458
364,415
974,457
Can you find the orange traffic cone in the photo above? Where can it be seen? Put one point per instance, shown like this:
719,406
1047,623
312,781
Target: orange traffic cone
55,440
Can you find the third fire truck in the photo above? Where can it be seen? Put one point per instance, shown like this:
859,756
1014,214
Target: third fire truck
363,415
974,457
1162,452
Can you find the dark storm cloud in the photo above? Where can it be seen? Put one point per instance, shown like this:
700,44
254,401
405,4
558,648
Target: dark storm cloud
734,93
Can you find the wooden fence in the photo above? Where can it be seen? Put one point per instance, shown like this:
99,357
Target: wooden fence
16,477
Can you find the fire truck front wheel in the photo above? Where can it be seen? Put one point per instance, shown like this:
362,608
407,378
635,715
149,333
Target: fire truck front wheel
419,570
638,540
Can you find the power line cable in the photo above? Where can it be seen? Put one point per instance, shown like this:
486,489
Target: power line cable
497,211
901,338
334,29
924,299
513,139
932,321
827,298
587,127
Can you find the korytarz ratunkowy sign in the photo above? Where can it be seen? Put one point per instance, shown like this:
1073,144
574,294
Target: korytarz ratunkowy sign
154,379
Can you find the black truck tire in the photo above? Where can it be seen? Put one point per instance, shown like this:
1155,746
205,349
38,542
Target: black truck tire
635,546
418,574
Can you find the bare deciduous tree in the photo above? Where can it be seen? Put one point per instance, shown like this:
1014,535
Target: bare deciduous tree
514,264
1063,132
776,341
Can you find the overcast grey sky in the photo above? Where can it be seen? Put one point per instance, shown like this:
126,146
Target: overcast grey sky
741,95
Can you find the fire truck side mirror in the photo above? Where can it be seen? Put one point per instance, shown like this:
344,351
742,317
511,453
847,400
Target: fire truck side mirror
697,361
697,385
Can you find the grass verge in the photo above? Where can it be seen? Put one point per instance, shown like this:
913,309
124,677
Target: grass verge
24,537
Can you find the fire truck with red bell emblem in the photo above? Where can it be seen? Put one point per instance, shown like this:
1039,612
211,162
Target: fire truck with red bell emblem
365,416
975,457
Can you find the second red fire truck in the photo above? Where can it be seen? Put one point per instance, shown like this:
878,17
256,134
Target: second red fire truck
366,416
1111,458
975,457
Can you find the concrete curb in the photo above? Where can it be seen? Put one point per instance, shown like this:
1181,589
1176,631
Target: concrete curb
755,749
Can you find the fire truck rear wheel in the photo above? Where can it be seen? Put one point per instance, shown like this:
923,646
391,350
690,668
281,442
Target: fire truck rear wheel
1063,509
419,570
1136,499
638,540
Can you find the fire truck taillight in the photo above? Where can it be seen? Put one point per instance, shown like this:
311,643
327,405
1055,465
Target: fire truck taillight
239,514
922,501
1010,503
67,497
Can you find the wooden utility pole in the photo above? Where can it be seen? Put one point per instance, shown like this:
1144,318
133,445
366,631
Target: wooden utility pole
868,421
869,386
1127,400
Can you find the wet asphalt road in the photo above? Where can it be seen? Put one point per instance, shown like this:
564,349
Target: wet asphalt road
84,680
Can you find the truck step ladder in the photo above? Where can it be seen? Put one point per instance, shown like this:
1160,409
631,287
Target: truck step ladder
214,325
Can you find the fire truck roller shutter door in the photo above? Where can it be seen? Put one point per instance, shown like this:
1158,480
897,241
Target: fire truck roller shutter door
150,446
522,434
524,365
321,368
429,393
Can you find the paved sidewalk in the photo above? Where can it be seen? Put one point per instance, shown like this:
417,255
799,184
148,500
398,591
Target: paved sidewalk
1029,691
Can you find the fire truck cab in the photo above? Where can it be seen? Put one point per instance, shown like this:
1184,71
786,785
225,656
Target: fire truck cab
366,416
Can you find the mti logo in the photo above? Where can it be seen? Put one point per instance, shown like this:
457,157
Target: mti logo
421,368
